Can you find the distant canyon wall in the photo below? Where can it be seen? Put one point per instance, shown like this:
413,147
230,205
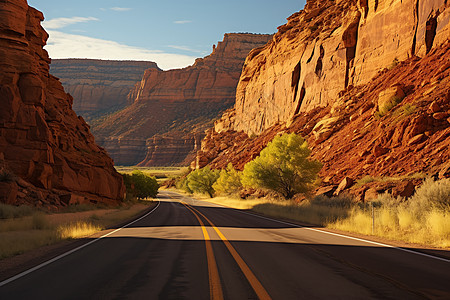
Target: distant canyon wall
328,48
48,156
170,101
99,86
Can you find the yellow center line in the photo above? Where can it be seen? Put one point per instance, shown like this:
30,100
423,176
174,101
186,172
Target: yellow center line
215,287
254,282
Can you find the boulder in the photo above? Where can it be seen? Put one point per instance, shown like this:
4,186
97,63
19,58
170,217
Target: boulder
346,183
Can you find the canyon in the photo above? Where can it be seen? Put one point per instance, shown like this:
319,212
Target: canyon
170,110
365,82
48,156
98,87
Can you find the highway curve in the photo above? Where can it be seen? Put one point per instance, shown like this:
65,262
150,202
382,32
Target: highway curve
190,249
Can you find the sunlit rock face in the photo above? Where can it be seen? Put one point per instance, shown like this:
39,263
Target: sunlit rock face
48,151
165,100
331,46
366,83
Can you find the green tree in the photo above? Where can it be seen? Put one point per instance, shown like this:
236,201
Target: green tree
229,181
283,166
202,180
141,185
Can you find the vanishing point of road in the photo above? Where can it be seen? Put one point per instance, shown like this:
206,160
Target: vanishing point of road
190,249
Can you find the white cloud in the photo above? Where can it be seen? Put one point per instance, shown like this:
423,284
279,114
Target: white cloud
186,48
63,45
63,22
120,8
182,22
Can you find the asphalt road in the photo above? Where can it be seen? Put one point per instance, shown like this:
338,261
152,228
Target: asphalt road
189,249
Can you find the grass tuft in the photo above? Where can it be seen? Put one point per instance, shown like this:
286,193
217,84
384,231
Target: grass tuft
77,230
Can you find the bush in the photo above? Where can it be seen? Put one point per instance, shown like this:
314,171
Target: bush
202,180
229,181
141,186
432,194
283,166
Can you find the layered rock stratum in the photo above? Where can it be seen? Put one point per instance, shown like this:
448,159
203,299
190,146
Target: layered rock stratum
331,46
48,157
366,82
168,101
98,87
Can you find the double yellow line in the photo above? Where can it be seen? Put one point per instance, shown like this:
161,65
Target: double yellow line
215,286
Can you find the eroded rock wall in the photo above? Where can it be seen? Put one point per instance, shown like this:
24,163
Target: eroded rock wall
329,47
163,100
48,151
99,86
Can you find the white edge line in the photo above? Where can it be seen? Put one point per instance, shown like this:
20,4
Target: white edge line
5,282
336,234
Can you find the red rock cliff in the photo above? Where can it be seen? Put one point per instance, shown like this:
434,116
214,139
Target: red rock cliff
365,82
328,47
99,86
48,151
164,99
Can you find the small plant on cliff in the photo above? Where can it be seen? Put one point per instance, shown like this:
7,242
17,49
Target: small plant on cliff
283,166
229,181
202,180
383,110
140,185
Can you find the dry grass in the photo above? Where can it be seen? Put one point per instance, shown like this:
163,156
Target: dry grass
423,219
18,235
77,230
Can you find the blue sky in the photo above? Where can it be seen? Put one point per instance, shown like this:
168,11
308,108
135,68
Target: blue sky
172,33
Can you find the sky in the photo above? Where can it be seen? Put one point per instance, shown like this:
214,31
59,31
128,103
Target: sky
172,33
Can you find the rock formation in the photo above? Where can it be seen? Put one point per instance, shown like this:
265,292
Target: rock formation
366,82
98,86
331,46
48,157
167,99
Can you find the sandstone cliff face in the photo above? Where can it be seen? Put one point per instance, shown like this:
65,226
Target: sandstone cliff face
352,139
167,99
331,46
48,151
98,86
365,82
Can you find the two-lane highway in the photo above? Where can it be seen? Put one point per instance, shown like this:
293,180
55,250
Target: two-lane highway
190,249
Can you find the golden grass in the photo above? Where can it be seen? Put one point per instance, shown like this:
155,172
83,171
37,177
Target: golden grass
27,233
431,229
397,223
77,230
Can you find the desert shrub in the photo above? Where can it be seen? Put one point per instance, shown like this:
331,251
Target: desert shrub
229,181
432,194
10,211
389,105
140,185
202,180
181,184
283,166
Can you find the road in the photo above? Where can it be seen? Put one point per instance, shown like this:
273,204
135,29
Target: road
190,249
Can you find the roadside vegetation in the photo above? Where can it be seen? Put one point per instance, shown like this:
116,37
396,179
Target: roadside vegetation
280,181
25,228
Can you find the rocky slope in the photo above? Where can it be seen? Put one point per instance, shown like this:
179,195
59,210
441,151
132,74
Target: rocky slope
98,86
367,86
48,156
164,100
328,47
